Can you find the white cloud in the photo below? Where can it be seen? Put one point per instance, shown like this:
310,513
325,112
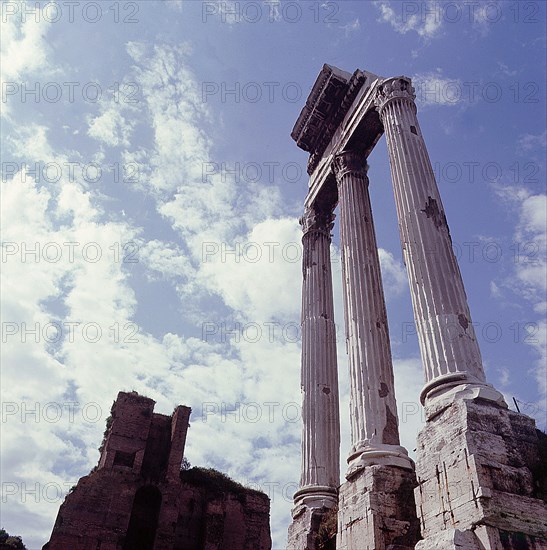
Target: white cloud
409,380
539,343
528,280
100,294
495,291
25,52
24,45
136,50
427,23
42,291
427,18
504,377
531,238
432,88
530,142
111,128
176,113
175,5
231,12
482,16
262,277
165,260
351,27
504,69
510,194
212,214
394,277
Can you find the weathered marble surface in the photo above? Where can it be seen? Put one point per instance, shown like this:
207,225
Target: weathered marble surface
376,510
446,336
478,470
477,463
319,372
373,408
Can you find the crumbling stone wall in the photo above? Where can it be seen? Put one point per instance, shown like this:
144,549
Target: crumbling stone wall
139,499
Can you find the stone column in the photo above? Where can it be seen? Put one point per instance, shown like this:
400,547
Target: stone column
449,347
320,402
373,410
317,496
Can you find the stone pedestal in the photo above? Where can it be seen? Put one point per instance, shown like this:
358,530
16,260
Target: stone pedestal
376,510
312,529
480,479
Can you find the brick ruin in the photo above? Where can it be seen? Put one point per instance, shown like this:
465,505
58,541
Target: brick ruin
138,498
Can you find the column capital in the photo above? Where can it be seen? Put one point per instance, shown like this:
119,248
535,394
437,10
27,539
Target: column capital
349,162
399,87
315,219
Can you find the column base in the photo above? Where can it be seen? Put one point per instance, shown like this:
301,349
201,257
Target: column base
368,453
440,392
315,496
481,479
376,510
314,521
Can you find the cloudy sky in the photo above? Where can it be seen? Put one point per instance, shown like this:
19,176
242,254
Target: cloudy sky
150,198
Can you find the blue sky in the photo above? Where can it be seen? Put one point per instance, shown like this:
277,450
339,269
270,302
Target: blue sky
146,149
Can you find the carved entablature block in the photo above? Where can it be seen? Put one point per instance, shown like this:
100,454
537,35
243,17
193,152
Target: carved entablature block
330,99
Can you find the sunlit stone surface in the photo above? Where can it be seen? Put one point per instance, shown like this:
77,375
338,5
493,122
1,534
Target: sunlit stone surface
479,483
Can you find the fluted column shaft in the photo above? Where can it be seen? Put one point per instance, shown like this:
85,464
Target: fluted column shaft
320,404
447,339
373,410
